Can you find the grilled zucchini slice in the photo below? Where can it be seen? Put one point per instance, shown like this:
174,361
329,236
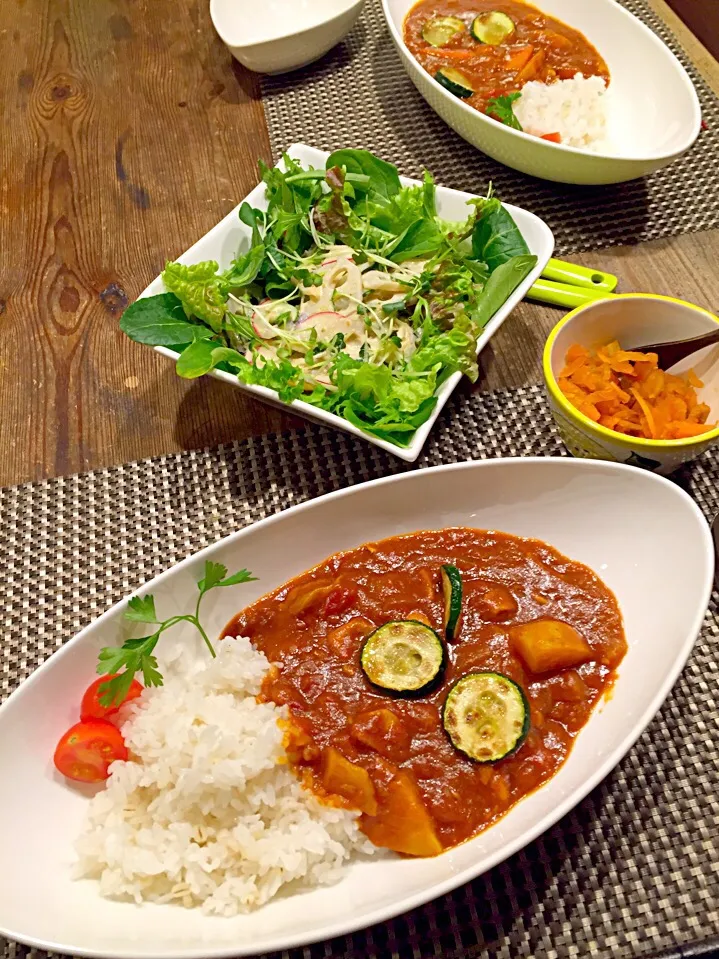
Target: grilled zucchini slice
454,81
486,716
404,656
452,588
492,27
440,31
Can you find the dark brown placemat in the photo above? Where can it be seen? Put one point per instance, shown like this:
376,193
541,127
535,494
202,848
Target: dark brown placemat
634,869
359,96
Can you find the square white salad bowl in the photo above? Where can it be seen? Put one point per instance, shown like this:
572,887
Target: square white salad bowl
224,240
590,511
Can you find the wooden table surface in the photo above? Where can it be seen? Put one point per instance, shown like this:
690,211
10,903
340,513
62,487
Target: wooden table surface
128,131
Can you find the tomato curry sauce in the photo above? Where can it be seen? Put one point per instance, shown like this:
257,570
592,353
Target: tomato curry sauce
390,756
539,48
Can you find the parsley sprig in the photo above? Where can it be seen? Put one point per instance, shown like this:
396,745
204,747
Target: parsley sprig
137,655
502,109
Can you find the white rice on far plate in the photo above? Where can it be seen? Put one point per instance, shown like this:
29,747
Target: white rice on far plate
210,814
576,109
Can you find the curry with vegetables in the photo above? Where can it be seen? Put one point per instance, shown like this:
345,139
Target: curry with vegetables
484,50
435,679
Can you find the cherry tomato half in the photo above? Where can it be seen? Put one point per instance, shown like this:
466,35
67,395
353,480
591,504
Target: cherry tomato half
86,750
92,708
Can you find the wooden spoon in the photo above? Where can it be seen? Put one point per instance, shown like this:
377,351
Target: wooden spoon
673,351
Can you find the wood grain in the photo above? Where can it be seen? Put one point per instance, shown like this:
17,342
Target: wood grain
128,131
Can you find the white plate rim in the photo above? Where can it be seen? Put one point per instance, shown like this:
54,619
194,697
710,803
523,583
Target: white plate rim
651,37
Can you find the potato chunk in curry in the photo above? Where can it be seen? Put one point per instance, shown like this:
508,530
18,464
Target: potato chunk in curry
406,825
547,645
346,779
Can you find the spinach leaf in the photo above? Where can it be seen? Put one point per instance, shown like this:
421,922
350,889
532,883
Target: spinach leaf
502,282
202,290
160,321
420,239
205,355
228,357
196,359
250,217
383,177
496,237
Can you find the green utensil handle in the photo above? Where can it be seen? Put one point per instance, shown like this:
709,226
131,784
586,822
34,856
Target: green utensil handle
562,294
579,276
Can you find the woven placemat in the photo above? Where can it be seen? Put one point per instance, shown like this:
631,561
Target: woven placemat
634,869
359,96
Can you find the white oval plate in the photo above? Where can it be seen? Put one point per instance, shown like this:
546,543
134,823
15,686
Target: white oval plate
222,242
624,523
653,109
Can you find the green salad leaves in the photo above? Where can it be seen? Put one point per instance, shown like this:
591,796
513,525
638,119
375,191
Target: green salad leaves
351,294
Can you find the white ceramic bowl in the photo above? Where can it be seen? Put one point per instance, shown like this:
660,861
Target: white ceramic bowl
634,319
274,36
588,510
222,243
654,113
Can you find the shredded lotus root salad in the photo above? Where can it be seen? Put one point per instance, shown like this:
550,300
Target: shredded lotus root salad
354,295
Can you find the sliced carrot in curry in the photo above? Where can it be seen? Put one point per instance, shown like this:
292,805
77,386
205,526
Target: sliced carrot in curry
532,68
520,58
452,54
627,392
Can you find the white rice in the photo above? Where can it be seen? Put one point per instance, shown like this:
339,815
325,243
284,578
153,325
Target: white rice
208,813
575,109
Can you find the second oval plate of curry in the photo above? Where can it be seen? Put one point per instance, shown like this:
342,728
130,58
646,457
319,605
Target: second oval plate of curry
653,112
599,514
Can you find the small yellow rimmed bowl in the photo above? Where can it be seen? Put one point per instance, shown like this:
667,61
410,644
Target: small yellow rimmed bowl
634,319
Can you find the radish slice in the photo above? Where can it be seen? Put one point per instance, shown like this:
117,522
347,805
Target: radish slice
349,259
262,328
